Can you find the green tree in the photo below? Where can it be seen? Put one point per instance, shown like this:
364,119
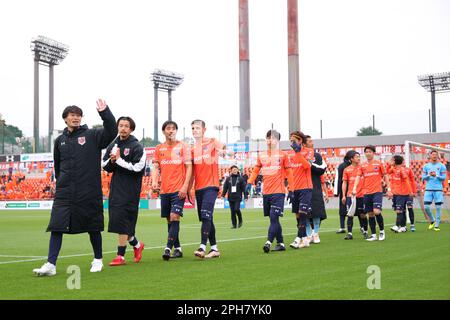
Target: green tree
368,131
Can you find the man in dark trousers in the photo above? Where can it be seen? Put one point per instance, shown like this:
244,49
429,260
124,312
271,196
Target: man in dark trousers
338,191
235,186
78,204
125,157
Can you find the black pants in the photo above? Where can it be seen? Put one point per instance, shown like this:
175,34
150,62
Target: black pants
235,207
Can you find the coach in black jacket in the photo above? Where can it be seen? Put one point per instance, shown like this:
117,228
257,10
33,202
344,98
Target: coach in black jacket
125,157
235,186
78,203
338,184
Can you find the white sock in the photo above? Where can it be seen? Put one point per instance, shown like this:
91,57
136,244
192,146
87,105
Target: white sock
297,239
138,245
281,244
98,260
350,233
268,242
202,246
214,247
179,249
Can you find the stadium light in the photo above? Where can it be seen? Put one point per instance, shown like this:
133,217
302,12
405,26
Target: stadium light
166,81
432,83
48,52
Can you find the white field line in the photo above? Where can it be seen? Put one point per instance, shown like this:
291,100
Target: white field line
162,247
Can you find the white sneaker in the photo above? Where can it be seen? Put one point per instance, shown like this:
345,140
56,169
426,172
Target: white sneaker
48,269
395,228
401,229
382,236
296,243
304,243
316,238
372,238
96,265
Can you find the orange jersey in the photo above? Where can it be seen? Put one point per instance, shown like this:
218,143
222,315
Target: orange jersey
205,157
373,174
301,169
399,178
349,175
412,181
273,168
172,163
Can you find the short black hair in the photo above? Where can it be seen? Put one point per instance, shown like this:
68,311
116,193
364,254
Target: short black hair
299,135
350,154
131,121
398,159
432,151
169,122
72,109
307,136
198,120
273,133
370,147
234,166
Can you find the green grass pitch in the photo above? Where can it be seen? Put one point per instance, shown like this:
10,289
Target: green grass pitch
412,265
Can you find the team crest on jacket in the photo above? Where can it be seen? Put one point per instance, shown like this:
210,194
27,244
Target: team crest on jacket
81,140
126,151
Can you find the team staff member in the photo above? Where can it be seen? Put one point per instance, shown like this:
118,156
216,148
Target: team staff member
125,157
234,185
78,203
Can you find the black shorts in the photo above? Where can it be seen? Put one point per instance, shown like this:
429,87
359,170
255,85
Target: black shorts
122,220
171,203
206,199
399,202
302,201
373,201
273,204
359,205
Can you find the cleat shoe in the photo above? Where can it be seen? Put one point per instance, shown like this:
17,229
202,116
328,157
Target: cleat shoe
212,254
372,238
437,229
177,254
118,261
200,253
296,243
366,235
240,224
395,228
233,227
316,238
266,248
348,237
413,228
279,247
48,269
166,254
362,230
304,243
401,230
340,231
382,236
138,252
431,226
96,265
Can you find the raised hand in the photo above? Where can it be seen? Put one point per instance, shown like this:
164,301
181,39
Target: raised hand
101,105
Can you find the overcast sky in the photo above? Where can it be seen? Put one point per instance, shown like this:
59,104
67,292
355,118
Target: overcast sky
357,58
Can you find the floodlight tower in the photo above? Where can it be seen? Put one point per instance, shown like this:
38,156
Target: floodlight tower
49,52
165,81
432,83
293,66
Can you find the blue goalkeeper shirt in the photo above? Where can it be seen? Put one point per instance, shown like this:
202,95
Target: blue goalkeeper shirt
434,183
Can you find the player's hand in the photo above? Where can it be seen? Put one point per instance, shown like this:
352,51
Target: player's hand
182,193
432,173
112,157
117,155
344,200
411,195
101,105
155,186
354,192
390,195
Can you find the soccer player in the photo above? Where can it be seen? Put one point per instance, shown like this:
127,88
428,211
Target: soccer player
173,164
205,158
275,168
401,189
338,192
302,194
125,158
349,176
78,204
434,174
410,202
234,186
373,172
